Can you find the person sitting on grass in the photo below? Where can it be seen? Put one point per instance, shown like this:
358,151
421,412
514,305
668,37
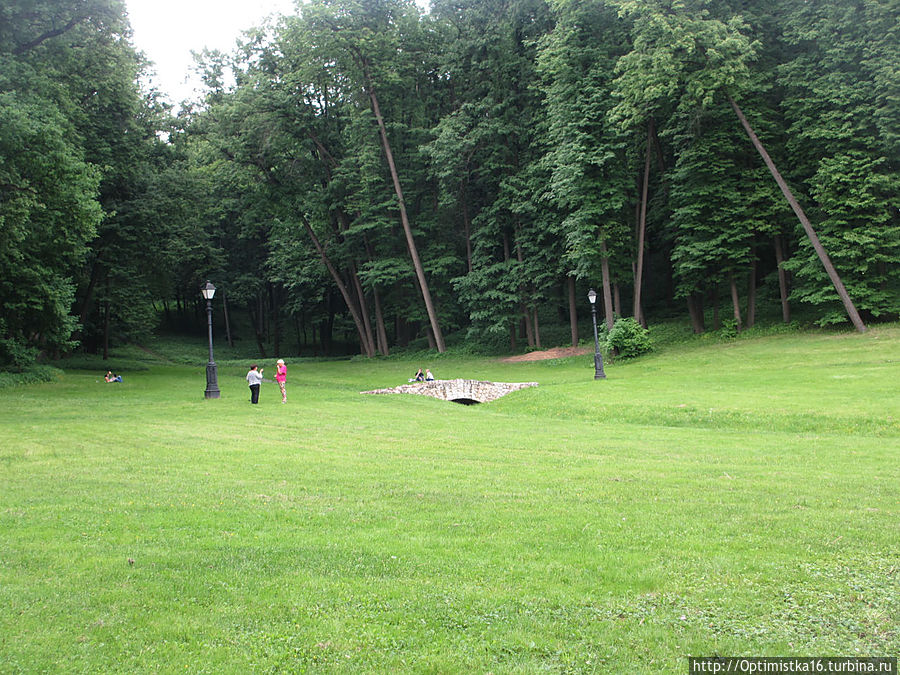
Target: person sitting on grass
420,377
428,376
112,377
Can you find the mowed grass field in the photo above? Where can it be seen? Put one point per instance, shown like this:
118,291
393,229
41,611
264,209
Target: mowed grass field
737,498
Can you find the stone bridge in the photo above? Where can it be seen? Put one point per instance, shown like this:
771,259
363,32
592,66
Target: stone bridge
458,391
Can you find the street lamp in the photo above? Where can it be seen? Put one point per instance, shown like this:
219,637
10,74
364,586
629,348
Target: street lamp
598,357
207,290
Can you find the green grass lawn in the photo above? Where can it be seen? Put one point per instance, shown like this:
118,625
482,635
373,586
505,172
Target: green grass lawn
738,498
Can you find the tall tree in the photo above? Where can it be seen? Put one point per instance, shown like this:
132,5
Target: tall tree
493,132
840,103
69,77
371,43
586,153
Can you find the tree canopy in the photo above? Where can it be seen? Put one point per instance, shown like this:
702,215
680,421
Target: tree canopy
381,175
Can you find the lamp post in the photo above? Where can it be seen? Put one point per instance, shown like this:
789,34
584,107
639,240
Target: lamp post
598,357
207,290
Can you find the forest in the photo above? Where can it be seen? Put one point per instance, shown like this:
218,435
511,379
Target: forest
362,176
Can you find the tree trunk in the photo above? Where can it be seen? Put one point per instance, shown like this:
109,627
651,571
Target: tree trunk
525,322
404,218
526,312
380,331
807,226
642,227
326,332
639,316
106,331
88,294
573,315
379,324
607,294
342,287
325,337
782,279
617,300
369,344
276,322
695,309
735,301
467,222
261,317
751,292
227,320
254,321
512,326
537,329
717,318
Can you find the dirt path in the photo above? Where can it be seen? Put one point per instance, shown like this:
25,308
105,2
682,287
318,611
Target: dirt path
557,353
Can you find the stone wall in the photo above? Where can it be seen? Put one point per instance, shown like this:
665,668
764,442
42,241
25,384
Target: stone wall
456,390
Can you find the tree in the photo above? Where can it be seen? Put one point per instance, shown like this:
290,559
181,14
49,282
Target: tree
840,103
370,45
586,152
491,142
57,62
48,213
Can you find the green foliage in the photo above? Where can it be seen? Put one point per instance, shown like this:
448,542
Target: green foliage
35,374
48,214
15,353
840,105
679,53
729,329
628,338
585,152
519,132
72,130
861,231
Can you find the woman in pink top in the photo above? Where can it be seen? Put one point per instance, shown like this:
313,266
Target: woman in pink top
281,378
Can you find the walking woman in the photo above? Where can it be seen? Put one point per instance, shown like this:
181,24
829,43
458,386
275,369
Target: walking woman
281,378
254,377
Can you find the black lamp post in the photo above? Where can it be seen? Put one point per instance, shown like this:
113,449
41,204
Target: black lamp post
598,357
207,290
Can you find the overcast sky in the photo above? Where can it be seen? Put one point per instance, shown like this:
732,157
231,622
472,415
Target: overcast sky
167,31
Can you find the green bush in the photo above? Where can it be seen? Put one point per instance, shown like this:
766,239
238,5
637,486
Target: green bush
628,338
729,329
15,354
33,375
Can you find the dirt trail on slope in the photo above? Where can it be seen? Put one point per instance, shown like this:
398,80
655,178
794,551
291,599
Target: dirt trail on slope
557,353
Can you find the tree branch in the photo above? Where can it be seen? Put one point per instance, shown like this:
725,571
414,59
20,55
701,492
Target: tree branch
56,32
17,188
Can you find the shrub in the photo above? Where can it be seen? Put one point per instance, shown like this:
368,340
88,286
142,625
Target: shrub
34,375
15,354
729,329
628,338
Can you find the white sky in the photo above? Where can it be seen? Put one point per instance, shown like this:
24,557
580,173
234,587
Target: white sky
167,31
